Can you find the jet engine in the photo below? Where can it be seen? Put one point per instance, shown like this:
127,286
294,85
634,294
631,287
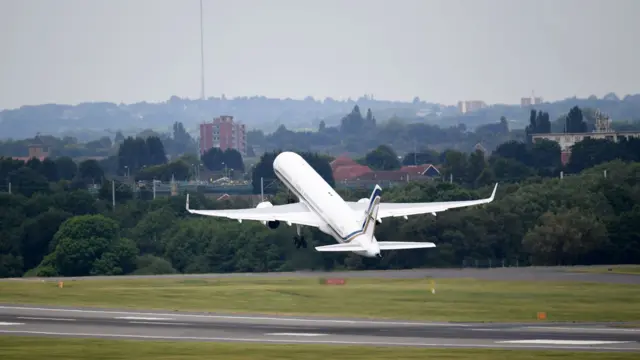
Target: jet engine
273,224
270,224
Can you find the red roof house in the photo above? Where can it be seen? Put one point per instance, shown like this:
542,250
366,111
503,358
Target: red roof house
421,170
352,172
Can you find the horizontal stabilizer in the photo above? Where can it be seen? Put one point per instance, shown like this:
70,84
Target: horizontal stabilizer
399,245
340,247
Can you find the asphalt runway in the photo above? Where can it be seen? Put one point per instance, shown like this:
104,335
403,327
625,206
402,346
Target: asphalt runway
555,273
183,326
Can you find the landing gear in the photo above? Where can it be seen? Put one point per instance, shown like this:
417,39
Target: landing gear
299,240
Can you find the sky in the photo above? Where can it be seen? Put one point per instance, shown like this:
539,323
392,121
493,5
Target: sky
73,51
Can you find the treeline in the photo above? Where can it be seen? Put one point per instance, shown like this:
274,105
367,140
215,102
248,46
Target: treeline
512,161
583,219
175,143
50,228
357,133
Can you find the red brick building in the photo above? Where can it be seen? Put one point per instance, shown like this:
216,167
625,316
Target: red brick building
223,133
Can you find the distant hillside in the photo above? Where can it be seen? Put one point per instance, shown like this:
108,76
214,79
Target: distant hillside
90,121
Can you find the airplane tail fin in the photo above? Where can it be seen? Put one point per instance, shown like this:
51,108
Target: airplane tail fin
370,215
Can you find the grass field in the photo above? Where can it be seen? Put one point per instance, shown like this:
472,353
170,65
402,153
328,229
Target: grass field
454,300
27,348
615,269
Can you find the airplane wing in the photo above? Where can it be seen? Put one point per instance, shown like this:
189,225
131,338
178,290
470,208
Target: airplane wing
407,209
296,213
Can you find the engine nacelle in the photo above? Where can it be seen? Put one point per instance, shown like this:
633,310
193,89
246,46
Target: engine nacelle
273,224
270,224
363,200
264,204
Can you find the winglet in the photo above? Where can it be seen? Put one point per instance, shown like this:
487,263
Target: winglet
187,205
493,194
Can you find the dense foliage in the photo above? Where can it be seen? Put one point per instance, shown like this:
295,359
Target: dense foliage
51,225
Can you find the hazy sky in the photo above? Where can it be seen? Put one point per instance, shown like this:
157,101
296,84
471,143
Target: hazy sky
71,51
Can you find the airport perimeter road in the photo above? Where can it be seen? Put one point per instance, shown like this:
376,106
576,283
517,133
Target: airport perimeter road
506,274
179,326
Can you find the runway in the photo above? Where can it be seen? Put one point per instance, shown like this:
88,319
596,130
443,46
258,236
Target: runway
183,326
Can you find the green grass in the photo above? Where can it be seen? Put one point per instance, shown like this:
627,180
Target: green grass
616,269
26,348
454,300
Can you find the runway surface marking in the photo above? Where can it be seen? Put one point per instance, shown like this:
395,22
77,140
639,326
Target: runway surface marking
9,324
43,318
158,323
292,341
579,328
563,342
295,334
142,318
233,317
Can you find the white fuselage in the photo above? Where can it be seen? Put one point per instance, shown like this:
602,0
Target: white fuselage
341,222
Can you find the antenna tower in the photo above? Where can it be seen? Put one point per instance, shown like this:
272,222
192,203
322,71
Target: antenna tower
202,95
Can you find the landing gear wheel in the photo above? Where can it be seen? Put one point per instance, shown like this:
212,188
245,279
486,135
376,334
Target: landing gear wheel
299,241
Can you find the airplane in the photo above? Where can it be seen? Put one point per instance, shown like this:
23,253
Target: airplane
350,223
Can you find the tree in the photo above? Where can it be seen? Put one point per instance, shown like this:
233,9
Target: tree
181,142
36,233
233,159
456,165
27,182
539,123
215,159
91,245
353,123
574,122
566,237
513,150
545,156
134,154
123,192
178,170
90,171
382,158
155,148
67,168
591,152
370,120
477,165
421,157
